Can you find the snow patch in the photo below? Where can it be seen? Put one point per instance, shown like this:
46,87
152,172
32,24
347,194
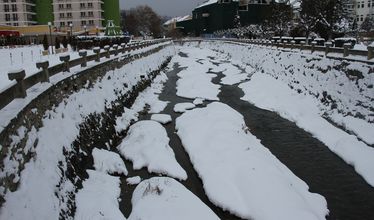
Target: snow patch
98,199
133,180
165,198
108,162
161,118
241,175
183,107
147,145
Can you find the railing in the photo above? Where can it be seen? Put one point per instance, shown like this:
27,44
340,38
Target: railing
326,49
19,90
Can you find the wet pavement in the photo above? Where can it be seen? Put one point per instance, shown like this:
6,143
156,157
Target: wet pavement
348,196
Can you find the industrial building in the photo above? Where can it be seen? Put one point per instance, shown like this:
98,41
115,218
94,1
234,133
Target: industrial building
216,15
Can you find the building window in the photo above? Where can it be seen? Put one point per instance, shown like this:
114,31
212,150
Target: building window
91,22
15,24
243,8
15,17
7,17
60,6
6,8
83,14
62,15
83,5
90,5
62,24
5,1
14,7
68,6
90,14
69,15
83,23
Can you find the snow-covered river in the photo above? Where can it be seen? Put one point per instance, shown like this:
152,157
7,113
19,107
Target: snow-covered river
214,137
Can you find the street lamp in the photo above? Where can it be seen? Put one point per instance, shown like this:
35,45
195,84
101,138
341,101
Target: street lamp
50,34
85,30
71,29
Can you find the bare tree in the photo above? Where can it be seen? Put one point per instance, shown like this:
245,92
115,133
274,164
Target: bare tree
142,20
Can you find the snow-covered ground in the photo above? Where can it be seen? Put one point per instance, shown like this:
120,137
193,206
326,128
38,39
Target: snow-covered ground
147,145
149,97
238,173
346,87
36,196
194,81
98,199
108,162
164,198
162,118
182,107
13,108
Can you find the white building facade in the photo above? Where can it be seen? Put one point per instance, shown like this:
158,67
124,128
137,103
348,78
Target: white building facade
78,14
363,9
17,12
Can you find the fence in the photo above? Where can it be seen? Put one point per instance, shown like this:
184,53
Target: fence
326,49
19,90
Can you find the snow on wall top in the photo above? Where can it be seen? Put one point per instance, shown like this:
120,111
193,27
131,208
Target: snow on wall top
294,3
209,2
178,19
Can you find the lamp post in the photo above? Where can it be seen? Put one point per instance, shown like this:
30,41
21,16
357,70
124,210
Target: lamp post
97,30
50,34
71,29
85,30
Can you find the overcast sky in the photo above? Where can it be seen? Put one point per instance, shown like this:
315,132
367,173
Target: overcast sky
170,8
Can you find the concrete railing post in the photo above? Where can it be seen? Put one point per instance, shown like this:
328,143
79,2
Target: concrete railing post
66,59
370,52
314,43
107,48
328,45
293,44
83,54
96,50
123,46
19,76
115,47
44,66
302,43
284,44
346,47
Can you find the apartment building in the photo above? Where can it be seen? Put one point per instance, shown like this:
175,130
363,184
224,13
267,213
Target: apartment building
17,12
78,14
64,15
363,8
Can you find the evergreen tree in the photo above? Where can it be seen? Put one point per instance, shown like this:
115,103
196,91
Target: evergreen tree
237,20
324,16
45,42
57,43
368,24
64,42
279,20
